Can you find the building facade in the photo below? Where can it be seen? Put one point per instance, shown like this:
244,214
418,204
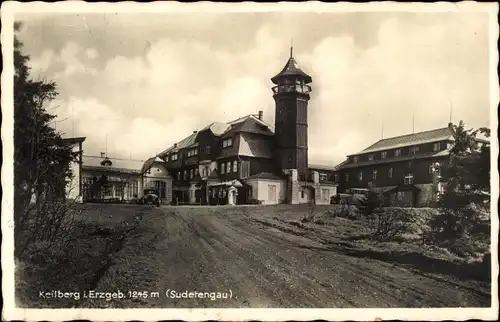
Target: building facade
242,161
249,161
405,168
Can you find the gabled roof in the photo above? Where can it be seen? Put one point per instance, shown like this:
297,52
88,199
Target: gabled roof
255,146
248,123
184,143
149,162
217,128
410,140
291,69
213,175
348,165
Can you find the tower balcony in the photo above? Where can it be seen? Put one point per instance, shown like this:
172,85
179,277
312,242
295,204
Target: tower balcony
293,88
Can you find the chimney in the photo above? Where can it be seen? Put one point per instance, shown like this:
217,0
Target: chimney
175,145
194,132
103,155
261,115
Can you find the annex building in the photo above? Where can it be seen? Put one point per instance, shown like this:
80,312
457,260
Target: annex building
404,168
238,162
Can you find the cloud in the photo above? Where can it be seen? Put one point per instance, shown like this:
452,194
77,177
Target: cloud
91,53
178,83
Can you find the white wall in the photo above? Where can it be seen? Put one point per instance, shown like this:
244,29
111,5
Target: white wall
331,191
73,188
260,190
308,195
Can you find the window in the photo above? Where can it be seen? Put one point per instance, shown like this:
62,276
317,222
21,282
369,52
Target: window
355,158
409,178
208,149
107,191
390,172
374,176
303,194
161,186
346,177
228,167
132,188
235,166
227,142
370,157
192,152
179,175
222,168
185,175
207,171
245,169
383,155
323,176
173,157
196,171
203,172
431,168
272,193
326,195
360,176
414,150
397,153
191,174
336,177
436,147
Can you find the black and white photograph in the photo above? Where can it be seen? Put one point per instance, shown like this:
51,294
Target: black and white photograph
249,161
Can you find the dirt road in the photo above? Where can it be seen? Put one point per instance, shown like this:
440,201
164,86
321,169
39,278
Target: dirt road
261,266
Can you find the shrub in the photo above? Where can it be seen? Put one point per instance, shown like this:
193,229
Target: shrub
389,223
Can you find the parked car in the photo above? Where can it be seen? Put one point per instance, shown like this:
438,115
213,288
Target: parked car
150,196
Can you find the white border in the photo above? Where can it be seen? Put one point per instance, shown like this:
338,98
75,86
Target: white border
10,312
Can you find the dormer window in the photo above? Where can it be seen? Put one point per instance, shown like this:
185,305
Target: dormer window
414,150
436,147
355,159
370,157
383,155
173,157
227,142
192,152
397,153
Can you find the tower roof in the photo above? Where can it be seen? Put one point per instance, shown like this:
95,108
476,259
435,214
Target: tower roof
291,69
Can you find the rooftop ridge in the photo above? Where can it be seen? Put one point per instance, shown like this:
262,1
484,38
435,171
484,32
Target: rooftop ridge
405,136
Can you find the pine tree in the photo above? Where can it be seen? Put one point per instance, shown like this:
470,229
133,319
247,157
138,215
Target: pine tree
41,156
465,204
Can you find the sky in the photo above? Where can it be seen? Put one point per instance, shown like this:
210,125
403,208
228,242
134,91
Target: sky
133,84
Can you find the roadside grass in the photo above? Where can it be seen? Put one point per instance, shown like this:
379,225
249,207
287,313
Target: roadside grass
349,235
102,239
